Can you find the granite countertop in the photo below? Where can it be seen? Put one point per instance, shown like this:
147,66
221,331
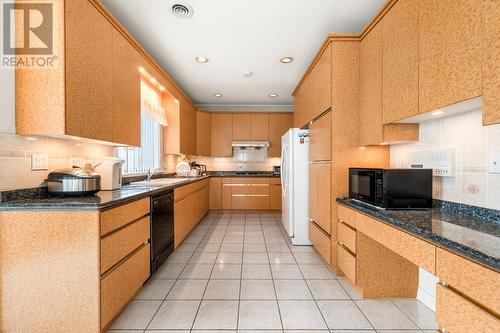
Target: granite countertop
100,201
469,231
243,174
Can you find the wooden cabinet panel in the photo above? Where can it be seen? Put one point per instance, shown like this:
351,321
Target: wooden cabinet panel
400,61
449,52
184,191
203,133
276,197
120,244
347,236
250,202
347,215
412,248
321,242
118,288
320,138
221,134
215,193
259,126
126,92
347,263
226,196
324,77
279,123
187,128
319,195
115,218
465,275
371,131
456,314
490,62
241,126
300,105
89,72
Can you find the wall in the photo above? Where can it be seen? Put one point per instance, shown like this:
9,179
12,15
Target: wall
16,151
472,184
7,101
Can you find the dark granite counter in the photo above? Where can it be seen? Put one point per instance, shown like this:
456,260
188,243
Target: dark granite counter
39,200
243,174
469,231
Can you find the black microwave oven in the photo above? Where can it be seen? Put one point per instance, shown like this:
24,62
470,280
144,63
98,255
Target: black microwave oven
392,188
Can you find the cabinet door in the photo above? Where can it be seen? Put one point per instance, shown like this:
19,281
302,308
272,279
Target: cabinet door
187,128
126,116
241,126
203,133
449,52
221,134
215,198
400,61
276,196
491,62
319,195
259,126
324,77
320,138
299,106
89,71
279,123
370,73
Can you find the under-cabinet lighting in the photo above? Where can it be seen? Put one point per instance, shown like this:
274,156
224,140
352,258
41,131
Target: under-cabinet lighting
141,69
437,113
29,138
162,88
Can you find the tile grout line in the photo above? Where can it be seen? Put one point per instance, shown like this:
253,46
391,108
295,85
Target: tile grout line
272,279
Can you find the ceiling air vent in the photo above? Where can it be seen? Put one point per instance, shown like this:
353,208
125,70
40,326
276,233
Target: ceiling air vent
182,10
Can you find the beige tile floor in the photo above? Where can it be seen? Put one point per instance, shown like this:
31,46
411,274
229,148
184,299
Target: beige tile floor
239,272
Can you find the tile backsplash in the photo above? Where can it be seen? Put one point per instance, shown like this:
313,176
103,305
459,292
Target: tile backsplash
231,164
16,152
473,145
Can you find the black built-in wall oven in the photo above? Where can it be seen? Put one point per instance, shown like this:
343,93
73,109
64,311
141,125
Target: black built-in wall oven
392,188
162,228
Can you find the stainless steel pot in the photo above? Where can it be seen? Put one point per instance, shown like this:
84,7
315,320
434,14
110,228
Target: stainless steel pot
73,181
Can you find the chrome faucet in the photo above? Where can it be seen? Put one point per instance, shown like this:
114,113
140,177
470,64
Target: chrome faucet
151,172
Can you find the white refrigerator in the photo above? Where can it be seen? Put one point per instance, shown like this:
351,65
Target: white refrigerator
295,185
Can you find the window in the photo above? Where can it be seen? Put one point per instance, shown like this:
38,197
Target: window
153,118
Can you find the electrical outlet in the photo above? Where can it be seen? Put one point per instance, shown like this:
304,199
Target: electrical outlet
442,172
494,163
39,162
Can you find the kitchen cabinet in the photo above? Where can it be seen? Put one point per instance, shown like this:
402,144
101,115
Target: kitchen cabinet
319,189
372,131
449,52
275,194
179,137
190,205
221,135
490,62
320,138
322,87
215,197
203,133
279,123
259,126
300,104
321,242
259,193
241,126
400,61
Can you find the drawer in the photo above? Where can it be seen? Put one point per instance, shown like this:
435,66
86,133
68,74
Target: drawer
347,263
457,315
115,218
275,181
122,283
276,197
417,251
465,275
184,191
249,180
259,201
118,245
347,215
259,189
347,236
319,189
321,242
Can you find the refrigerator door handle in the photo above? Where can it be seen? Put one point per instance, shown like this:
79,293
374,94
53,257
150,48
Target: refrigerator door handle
282,173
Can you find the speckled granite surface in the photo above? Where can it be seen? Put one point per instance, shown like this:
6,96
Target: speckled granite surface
101,200
244,174
470,231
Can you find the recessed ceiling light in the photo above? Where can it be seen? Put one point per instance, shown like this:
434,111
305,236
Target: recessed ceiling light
286,60
217,95
201,60
247,74
437,113
273,95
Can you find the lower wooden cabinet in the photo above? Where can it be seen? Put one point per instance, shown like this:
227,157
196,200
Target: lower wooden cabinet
319,195
456,314
190,205
122,283
275,194
347,236
259,193
215,197
347,263
321,241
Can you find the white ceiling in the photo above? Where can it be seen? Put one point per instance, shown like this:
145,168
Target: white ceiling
239,36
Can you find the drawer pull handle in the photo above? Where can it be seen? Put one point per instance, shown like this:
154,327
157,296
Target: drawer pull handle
250,195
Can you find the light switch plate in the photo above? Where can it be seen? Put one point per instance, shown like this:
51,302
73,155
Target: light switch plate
494,163
39,162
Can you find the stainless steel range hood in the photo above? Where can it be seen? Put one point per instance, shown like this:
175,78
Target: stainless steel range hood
251,144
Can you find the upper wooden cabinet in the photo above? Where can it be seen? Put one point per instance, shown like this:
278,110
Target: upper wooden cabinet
241,126
300,104
179,137
279,123
221,134
203,130
449,52
491,62
259,123
320,138
400,61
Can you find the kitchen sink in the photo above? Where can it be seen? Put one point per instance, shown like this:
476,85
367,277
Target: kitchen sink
159,182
